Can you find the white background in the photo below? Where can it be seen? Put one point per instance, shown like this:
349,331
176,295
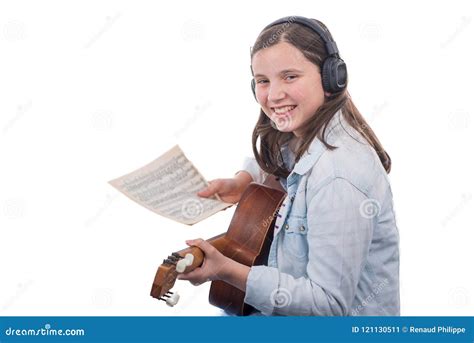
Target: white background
92,90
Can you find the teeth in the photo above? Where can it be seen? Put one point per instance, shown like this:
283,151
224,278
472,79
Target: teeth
285,109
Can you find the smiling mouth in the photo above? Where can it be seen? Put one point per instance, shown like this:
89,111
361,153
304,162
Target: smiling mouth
284,110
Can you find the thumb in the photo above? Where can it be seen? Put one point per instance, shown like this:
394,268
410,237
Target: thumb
211,189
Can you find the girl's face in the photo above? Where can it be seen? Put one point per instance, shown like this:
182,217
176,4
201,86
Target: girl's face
288,86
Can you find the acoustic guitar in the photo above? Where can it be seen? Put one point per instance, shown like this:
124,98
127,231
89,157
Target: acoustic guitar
247,241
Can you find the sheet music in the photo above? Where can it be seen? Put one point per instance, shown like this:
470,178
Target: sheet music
168,187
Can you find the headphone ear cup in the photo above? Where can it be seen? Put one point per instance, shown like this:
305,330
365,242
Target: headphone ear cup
252,85
334,75
325,76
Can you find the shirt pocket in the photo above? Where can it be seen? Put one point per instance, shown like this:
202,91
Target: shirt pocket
295,240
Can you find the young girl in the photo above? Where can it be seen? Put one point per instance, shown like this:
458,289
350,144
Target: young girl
335,246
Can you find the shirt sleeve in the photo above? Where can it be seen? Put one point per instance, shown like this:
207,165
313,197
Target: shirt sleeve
339,237
251,166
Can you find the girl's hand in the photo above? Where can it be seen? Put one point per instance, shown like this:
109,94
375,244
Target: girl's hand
213,267
229,190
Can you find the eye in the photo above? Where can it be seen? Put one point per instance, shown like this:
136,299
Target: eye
261,81
290,77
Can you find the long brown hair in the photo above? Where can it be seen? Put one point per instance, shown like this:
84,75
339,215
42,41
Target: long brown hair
271,140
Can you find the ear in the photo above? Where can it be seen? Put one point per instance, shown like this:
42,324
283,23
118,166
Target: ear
327,94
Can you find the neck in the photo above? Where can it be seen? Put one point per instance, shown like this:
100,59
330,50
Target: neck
294,144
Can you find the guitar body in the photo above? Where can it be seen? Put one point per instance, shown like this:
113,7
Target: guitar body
247,241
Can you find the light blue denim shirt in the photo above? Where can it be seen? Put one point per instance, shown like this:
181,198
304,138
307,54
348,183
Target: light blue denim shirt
335,247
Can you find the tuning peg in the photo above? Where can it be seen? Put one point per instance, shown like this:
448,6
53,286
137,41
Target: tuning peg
172,299
167,261
186,261
173,258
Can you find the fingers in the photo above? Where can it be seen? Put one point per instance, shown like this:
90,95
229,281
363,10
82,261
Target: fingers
205,272
196,277
205,246
191,276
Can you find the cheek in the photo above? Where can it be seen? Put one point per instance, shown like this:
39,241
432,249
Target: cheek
311,97
261,96
262,99
298,94
319,99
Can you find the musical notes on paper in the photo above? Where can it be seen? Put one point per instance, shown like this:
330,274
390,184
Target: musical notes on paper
168,187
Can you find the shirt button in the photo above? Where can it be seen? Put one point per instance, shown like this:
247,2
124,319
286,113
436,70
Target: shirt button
287,226
302,228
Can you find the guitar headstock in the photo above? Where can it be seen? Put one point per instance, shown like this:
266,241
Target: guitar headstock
165,277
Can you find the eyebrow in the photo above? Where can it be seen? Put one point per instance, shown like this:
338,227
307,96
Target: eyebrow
292,70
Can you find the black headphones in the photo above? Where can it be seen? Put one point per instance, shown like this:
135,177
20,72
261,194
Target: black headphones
333,71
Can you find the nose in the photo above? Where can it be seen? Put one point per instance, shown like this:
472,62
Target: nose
276,92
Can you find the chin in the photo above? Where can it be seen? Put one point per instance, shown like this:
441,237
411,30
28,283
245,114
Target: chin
283,124
285,129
